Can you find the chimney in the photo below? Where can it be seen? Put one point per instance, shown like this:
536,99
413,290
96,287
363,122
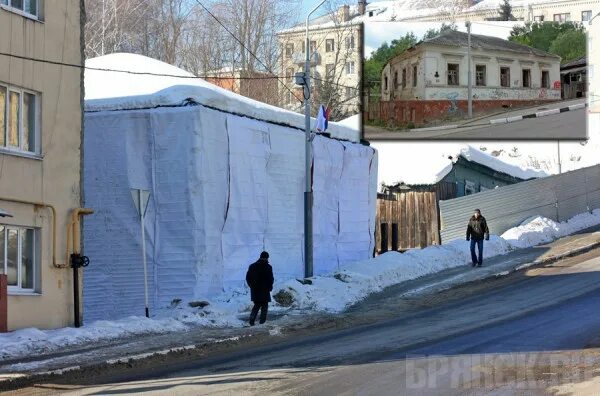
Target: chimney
362,7
344,13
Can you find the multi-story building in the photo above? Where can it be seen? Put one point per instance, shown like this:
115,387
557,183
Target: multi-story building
430,79
40,139
336,60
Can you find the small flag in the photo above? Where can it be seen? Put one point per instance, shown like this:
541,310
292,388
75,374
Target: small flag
322,119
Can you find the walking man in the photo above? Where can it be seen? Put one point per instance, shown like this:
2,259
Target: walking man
260,280
476,231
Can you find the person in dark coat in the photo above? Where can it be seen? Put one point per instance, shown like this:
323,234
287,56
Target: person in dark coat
260,280
477,230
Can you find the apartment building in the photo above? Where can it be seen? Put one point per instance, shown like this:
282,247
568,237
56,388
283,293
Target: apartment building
40,140
335,56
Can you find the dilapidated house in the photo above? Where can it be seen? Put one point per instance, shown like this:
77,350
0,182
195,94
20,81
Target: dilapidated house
430,79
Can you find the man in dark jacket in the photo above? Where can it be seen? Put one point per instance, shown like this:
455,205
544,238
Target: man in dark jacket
260,280
476,231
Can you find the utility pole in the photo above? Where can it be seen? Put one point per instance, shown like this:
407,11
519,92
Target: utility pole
308,197
559,159
470,77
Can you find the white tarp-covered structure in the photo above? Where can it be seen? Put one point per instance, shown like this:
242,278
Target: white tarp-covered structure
226,177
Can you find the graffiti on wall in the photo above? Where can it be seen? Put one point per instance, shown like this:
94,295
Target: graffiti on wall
453,98
543,93
557,85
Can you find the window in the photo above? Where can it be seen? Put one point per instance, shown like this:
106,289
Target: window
403,78
329,70
289,74
288,98
566,17
545,79
505,76
385,83
452,74
526,78
349,92
395,79
313,47
480,75
586,16
414,76
19,115
349,67
18,257
470,188
27,7
350,42
289,50
329,45
538,18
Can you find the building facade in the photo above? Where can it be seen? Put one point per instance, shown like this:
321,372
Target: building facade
336,61
251,84
431,79
40,140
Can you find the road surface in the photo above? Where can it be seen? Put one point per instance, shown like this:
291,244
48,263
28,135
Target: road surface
494,337
571,125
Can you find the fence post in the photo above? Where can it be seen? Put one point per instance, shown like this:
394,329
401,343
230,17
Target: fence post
3,303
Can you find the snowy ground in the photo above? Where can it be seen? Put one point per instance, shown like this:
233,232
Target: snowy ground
330,293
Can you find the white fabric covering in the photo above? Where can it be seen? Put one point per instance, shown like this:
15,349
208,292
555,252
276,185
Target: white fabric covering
223,188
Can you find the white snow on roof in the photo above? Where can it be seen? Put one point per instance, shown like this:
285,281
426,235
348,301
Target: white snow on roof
119,90
353,122
429,163
495,4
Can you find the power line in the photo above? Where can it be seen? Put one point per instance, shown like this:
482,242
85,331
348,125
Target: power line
243,46
135,72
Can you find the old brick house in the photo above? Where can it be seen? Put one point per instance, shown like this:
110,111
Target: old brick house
429,80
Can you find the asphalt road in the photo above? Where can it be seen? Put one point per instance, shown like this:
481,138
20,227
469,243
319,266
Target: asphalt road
503,338
571,125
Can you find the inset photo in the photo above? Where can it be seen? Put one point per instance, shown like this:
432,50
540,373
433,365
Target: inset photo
475,81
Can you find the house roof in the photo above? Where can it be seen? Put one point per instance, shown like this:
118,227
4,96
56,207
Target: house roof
455,38
575,63
428,163
123,81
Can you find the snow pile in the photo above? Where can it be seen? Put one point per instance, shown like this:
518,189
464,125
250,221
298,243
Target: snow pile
539,230
128,81
337,291
32,340
333,292
429,163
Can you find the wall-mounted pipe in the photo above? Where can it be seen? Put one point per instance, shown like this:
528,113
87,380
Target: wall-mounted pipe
53,210
74,228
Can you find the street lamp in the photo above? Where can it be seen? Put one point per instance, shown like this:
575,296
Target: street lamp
308,237
469,78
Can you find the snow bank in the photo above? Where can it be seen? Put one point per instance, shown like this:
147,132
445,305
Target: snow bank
333,292
337,291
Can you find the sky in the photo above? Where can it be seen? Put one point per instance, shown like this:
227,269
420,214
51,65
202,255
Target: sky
376,33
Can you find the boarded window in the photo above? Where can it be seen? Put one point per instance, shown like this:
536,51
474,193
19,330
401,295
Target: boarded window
526,78
480,75
545,79
505,76
289,50
403,78
414,79
453,74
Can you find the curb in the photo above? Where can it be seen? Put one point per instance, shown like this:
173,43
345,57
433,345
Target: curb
14,381
538,114
437,128
550,259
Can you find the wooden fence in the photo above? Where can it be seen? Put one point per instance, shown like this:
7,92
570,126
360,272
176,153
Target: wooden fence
411,220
